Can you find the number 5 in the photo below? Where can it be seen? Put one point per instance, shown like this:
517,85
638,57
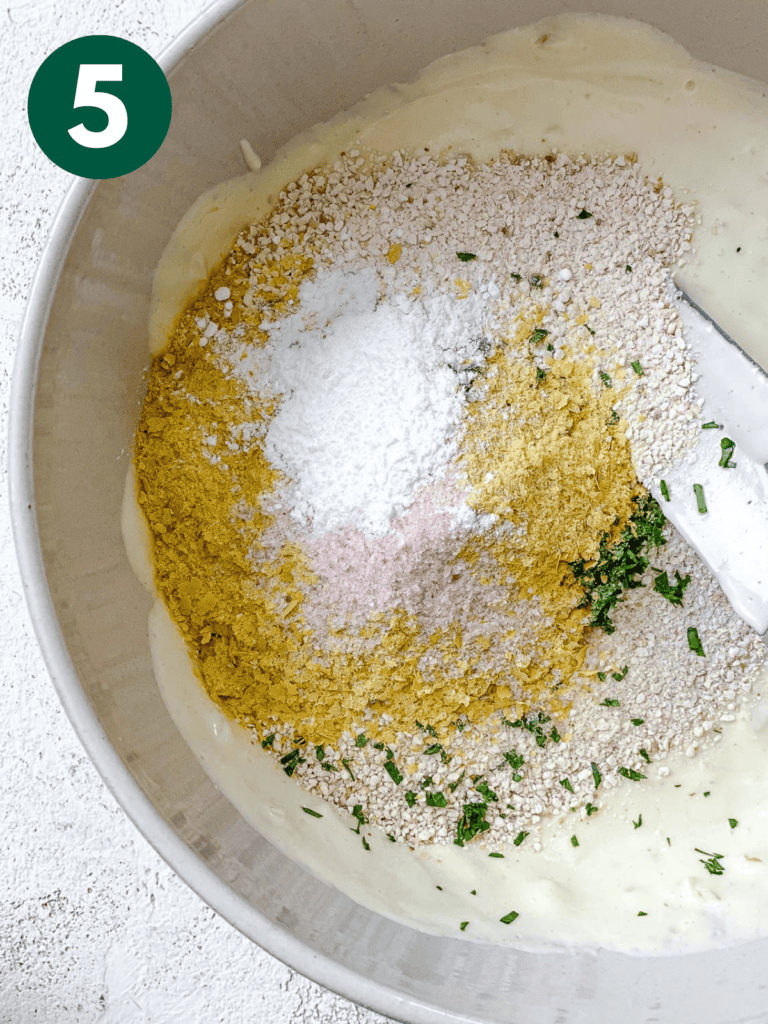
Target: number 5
86,95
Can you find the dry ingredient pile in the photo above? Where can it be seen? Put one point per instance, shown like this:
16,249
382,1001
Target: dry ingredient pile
394,460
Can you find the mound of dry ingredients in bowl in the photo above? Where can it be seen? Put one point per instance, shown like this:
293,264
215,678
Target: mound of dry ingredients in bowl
394,460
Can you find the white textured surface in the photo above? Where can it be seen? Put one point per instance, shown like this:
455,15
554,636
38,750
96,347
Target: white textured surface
93,925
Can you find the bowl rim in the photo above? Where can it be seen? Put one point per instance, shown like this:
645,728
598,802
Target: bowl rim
235,909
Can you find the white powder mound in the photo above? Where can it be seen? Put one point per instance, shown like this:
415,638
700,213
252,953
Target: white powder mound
372,400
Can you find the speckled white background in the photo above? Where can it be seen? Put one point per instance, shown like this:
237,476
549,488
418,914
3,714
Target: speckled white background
93,925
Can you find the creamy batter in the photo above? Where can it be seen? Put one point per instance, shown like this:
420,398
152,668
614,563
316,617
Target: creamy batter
577,84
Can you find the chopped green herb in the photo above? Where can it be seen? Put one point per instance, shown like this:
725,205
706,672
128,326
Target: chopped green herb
701,504
605,379
436,799
628,269
596,775
533,726
591,809
308,810
516,777
328,767
610,702
637,368
639,821
641,913
483,789
638,721
453,786
410,798
519,838
669,841
435,748
361,740
694,642
588,328
664,490
630,773
390,837
538,336
473,892
728,446
461,726
712,863
320,752
574,841
618,676
602,676
566,784
540,374
644,754
614,418
268,741
510,917
426,783
516,277
365,844
584,215
357,812
555,735
465,257
463,925
618,567
672,592
733,822
711,426
499,855
291,761
431,730
514,759
707,793
536,281
391,768
345,762
471,823
439,887
378,746
557,234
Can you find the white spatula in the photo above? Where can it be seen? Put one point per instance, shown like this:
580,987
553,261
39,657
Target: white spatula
731,536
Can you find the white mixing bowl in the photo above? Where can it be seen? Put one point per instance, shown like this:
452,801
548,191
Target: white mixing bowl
265,70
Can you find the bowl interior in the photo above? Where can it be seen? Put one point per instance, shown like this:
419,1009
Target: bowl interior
264,71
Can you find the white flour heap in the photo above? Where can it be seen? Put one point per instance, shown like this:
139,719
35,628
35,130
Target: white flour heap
371,403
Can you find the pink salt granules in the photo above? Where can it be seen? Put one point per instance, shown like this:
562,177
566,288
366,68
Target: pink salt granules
360,575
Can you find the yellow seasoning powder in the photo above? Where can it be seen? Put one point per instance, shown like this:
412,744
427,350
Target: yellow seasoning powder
543,450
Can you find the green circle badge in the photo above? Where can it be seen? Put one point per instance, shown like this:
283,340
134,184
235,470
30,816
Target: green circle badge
99,106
